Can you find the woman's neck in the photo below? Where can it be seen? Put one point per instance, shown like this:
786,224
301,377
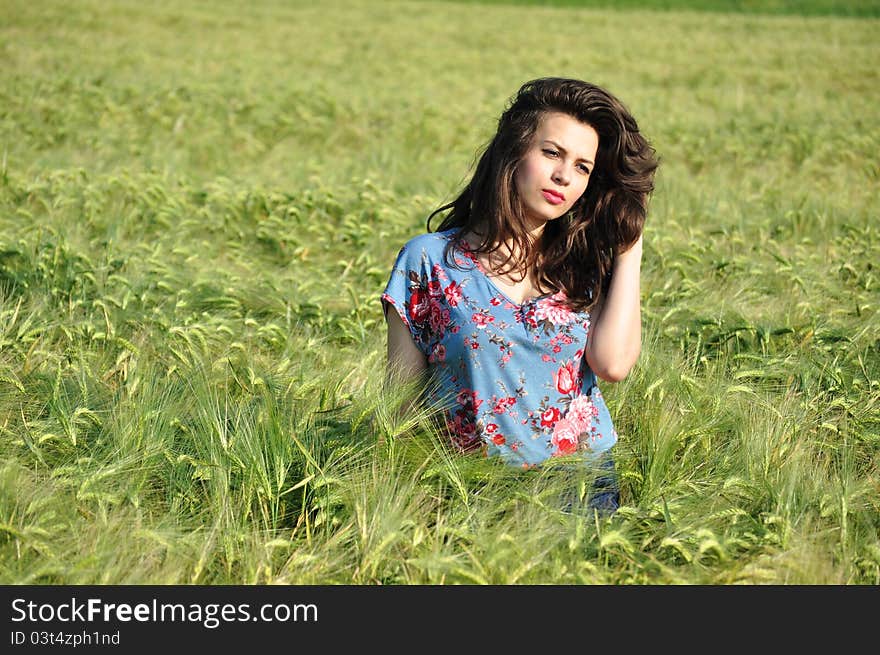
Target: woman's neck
508,247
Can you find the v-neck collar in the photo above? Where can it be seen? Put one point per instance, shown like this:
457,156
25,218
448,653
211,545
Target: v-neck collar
466,250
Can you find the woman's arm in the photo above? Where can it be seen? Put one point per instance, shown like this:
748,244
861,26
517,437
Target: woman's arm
616,339
406,363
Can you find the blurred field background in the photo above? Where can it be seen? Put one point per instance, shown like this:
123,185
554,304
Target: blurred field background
200,204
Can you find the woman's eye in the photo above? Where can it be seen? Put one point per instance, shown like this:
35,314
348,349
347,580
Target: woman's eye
584,169
550,153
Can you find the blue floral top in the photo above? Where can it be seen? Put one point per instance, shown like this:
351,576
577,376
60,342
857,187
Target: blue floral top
512,378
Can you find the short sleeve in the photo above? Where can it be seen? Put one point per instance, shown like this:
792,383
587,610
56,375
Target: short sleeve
405,294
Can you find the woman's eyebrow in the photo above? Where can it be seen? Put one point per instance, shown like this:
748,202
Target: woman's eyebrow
560,147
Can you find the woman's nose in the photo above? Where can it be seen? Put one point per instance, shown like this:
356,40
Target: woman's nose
560,176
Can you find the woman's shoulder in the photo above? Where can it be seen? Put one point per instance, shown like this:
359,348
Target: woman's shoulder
430,242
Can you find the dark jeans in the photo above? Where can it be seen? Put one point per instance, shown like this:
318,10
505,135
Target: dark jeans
606,492
604,496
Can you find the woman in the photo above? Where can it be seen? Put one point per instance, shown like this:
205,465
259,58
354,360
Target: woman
529,289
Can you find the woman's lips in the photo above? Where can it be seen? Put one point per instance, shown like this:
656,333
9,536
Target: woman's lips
553,197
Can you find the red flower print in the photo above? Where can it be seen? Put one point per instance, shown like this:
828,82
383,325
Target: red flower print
463,432
566,379
438,353
549,417
435,289
468,399
438,318
565,438
438,272
453,294
495,301
491,428
419,304
499,440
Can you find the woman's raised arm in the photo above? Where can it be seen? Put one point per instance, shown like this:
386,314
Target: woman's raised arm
616,338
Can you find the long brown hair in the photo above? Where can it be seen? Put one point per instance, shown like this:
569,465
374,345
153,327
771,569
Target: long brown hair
575,252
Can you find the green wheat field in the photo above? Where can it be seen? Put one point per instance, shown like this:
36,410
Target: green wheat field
199,206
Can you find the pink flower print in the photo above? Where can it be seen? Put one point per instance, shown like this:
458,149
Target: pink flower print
581,413
552,309
566,379
438,272
549,417
546,358
482,320
453,294
495,301
502,404
565,438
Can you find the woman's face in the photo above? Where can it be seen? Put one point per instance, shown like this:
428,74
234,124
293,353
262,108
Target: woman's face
555,170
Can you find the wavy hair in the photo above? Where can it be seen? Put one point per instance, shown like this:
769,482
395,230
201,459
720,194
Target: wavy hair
575,252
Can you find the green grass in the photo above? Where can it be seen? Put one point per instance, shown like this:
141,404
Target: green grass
852,8
200,204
